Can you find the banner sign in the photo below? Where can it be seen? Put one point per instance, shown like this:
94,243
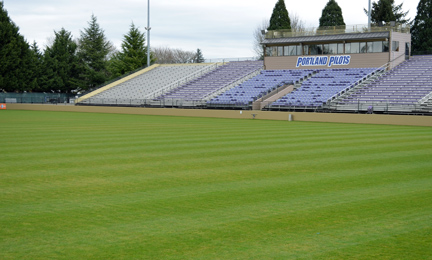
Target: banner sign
2,106
324,60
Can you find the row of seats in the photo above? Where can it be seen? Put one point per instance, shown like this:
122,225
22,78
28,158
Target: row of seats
214,81
325,84
260,85
143,85
408,83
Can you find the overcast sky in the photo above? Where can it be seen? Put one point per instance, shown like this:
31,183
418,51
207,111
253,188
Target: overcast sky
221,29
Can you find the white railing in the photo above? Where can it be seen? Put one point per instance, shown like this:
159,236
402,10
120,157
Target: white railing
357,83
233,84
378,107
425,98
182,81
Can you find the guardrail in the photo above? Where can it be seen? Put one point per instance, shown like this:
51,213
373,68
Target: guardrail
358,82
381,107
425,98
141,102
334,30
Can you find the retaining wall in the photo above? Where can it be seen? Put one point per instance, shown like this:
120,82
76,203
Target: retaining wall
248,114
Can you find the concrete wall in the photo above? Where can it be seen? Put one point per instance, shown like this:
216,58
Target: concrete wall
267,115
396,57
363,60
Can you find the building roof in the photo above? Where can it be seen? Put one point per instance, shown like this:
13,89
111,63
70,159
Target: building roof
329,38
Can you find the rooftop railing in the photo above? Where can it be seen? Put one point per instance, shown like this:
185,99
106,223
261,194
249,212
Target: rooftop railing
333,30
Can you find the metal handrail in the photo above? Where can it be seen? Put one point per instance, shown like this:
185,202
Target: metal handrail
334,30
382,68
425,98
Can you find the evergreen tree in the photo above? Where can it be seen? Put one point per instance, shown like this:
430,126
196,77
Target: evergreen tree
280,18
400,16
133,54
331,15
36,65
385,11
62,64
94,50
421,31
15,56
199,58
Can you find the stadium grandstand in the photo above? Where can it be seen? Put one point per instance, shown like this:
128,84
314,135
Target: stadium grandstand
350,68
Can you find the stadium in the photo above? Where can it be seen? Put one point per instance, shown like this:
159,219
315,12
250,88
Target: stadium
322,150
350,69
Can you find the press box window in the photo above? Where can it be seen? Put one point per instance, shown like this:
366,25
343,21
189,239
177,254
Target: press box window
395,46
292,50
363,48
340,48
280,51
299,49
315,49
286,50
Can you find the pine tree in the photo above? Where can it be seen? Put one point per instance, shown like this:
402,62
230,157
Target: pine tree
385,11
199,58
133,54
15,56
331,15
280,18
421,31
36,65
62,65
94,50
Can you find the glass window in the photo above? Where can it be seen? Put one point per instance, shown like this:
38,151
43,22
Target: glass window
315,49
369,47
319,49
286,51
280,51
355,47
363,48
268,51
306,50
385,47
326,49
274,51
348,48
292,50
340,48
377,46
299,49
333,48
395,46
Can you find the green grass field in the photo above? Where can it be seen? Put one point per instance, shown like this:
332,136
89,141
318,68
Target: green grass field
107,186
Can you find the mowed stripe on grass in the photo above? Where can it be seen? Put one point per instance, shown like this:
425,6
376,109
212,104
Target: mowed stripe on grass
98,186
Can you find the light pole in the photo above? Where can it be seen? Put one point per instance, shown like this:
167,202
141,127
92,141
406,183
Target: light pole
148,33
369,15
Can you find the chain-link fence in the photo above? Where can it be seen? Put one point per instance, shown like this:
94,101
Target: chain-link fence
37,98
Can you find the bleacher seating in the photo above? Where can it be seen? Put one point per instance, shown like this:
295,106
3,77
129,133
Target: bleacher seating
258,86
142,86
217,79
321,87
404,85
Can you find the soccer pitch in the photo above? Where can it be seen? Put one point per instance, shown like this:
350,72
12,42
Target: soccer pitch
109,186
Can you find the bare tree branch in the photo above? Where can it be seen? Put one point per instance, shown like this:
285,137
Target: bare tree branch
258,37
165,55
